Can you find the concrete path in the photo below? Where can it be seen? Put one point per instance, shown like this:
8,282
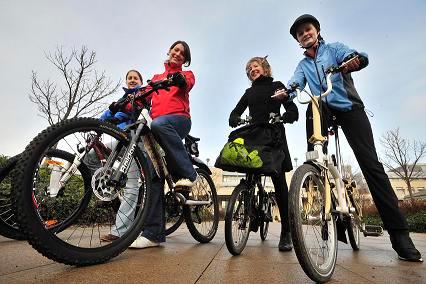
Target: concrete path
183,260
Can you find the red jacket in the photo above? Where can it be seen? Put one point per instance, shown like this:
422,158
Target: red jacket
174,101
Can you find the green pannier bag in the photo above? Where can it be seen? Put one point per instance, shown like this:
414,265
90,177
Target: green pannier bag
255,148
235,154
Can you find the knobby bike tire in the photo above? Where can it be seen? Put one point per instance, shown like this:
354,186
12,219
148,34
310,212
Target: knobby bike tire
9,226
202,220
239,195
49,243
298,208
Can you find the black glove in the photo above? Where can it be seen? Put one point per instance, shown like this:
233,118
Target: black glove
234,120
113,107
178,79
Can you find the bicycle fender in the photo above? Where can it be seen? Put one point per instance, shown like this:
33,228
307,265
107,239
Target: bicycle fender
199,163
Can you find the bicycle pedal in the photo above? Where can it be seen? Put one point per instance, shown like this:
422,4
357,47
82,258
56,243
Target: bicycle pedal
373,231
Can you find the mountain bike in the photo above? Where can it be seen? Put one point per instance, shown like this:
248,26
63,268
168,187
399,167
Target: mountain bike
320,197
121,172
248,210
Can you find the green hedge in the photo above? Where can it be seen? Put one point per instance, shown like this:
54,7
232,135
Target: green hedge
416,221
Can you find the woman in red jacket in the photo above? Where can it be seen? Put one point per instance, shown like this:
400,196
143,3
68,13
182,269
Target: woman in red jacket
170,112
171,123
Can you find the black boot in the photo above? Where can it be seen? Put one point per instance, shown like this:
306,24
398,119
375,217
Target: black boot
403,245
285,243
254,224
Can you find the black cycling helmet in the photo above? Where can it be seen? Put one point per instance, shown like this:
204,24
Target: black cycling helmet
306,18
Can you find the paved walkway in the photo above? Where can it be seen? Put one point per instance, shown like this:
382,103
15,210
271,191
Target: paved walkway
183,260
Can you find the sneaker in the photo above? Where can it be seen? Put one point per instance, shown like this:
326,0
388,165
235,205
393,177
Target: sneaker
109,238
404,247
142,242
186,182
285,243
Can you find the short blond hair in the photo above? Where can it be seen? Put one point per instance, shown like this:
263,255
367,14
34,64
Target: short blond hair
262,62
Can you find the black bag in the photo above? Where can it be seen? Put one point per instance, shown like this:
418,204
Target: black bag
264,140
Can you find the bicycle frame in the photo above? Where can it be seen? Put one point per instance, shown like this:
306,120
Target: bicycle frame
324,161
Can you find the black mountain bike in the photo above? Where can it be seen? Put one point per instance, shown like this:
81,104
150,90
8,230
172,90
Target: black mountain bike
124,175
248,210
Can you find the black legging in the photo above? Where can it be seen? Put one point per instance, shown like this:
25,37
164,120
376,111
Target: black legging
281,193
357,129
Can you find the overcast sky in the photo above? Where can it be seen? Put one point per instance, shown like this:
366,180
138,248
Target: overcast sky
223,36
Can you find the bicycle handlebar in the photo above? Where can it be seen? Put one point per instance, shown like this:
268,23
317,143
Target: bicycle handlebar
153,86
330,71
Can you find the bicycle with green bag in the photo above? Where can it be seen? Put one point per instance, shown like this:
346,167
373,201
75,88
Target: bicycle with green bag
254,149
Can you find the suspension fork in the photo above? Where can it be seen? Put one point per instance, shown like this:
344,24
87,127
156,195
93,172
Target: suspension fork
128,155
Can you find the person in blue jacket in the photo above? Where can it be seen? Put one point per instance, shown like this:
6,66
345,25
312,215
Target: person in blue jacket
345,104
120,112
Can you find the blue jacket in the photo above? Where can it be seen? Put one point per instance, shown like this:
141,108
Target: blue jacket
121,119
344,96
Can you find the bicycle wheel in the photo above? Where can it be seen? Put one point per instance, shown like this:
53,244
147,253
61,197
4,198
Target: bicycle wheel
314,237
266,216
78,242
173,213
237,219
202,220
355,222
9,226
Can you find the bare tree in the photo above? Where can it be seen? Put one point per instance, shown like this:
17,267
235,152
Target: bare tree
83,90
402,156
351,172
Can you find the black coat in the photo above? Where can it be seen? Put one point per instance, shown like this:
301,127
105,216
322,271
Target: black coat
258,99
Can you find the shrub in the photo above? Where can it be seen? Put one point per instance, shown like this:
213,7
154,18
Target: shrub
414,211
407,207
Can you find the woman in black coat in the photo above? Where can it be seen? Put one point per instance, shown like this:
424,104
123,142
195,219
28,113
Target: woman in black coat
258,98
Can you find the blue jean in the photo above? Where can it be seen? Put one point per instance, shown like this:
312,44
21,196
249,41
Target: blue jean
169,130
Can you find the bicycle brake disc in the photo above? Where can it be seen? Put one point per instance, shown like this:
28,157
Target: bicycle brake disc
101,186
